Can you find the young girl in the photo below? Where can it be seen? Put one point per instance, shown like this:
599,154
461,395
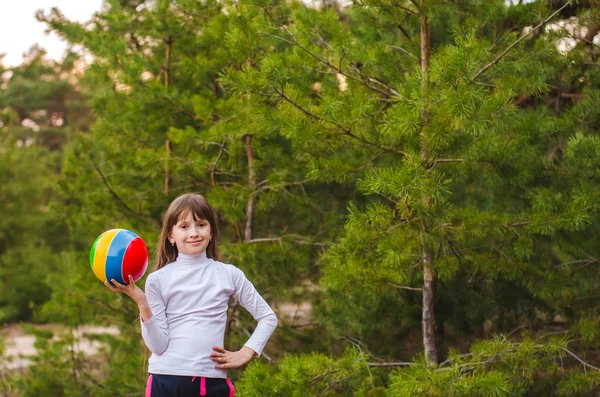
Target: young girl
184,310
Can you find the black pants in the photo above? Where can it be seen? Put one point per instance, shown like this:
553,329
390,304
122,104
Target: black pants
188,386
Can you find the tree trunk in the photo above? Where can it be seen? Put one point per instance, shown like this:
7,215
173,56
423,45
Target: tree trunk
428,310
248,232
425,47
429,276
169,42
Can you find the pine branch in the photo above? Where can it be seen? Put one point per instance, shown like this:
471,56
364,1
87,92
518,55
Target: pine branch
411,12
216,165
404,51
345,130
501,253
262,240
519,224
368,163
579,359
510,47
389,91
168,99
323,375
179,108
115,195
391,364
194,14
447,161
198,179
111,309
365,78
94,381
228,173
329,64
314,70
572,95
405,33
582,298
121,131
588,261
447,361
239,233
268,187
405,287
294,237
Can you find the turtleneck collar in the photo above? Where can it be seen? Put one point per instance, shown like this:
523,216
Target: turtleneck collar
198,259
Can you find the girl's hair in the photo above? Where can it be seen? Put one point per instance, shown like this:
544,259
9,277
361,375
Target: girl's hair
179,208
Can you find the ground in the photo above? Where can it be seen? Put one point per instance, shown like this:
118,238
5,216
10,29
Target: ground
18,345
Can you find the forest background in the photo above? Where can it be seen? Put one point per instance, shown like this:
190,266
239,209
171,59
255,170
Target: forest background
420,178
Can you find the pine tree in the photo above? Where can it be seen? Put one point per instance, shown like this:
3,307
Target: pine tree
475,134
165,126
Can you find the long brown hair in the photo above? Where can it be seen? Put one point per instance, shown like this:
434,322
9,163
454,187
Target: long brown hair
179,208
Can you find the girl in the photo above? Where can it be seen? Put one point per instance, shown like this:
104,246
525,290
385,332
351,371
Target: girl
184,309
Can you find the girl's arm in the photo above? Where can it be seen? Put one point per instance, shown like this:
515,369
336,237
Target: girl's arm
250,299
155,329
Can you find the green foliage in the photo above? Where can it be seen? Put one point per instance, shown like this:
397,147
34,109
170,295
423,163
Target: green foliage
164,126
498,367
355,167
62,368
314,374
467,166
57,369
34,103
124,170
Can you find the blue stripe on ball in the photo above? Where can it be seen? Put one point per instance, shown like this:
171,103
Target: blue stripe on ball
116,252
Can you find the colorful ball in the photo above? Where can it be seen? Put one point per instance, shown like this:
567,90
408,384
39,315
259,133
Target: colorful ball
118,253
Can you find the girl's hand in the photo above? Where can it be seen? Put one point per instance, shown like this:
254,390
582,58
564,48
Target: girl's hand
135,293
131,290
227,359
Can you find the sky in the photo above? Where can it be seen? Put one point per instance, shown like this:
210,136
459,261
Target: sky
19,30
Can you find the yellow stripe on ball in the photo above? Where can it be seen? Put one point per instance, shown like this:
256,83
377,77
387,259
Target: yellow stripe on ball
101,252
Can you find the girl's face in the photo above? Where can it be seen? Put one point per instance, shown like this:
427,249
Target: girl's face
191,237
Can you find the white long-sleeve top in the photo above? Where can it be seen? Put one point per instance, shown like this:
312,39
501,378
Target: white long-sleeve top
189,300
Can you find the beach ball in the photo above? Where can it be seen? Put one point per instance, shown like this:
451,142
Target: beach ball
118,253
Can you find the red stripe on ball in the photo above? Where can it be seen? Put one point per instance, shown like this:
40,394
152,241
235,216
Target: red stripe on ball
135,260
